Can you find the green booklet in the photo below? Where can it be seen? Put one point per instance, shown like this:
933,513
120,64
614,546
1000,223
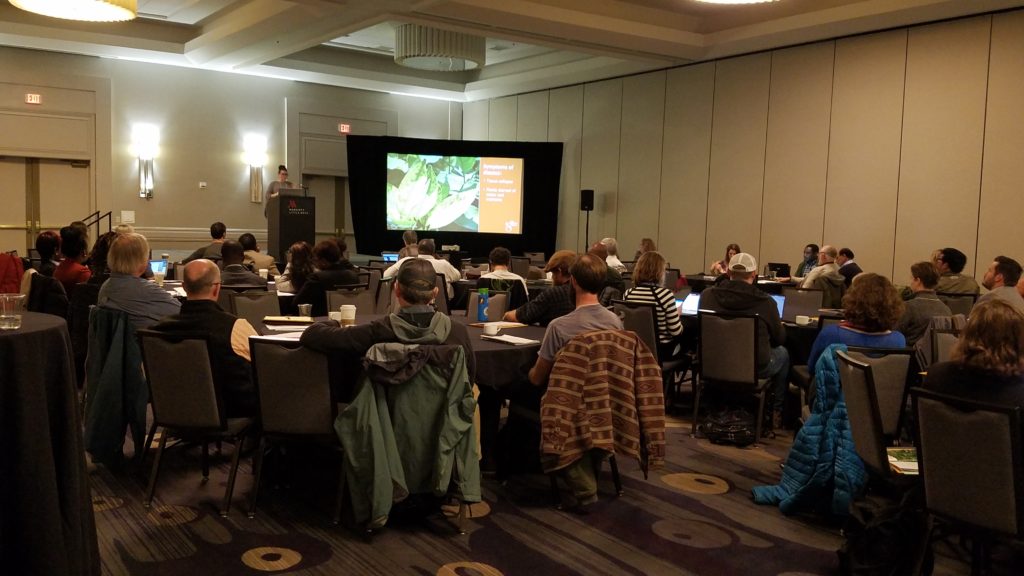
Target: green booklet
902,460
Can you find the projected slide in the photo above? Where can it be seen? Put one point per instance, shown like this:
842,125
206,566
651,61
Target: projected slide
455,193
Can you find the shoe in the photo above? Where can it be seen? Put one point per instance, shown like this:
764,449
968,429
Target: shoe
776,420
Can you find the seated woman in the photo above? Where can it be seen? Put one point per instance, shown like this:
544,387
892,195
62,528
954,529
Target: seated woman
871,308
127,290
298,269
646,245
71,271
333,270
647,277
47,244
720,267
988,360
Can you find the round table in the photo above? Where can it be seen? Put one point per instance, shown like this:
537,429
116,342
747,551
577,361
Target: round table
46,516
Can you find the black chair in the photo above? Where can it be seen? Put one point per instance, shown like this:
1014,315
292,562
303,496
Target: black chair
728,358
224,299
254,306
943,341
892,380
358,295
47,295
859,392
515,289
441,302
671,278
521,266
497,305
293,409
85,296
638,317
187,402
958,303
969,458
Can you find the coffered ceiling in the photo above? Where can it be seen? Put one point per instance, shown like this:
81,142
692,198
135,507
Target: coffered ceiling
531,44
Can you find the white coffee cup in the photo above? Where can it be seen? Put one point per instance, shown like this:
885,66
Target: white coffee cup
158,277
348,314
336,316
803,320
263,272
491,329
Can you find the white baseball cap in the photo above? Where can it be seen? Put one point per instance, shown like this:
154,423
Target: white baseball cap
743,262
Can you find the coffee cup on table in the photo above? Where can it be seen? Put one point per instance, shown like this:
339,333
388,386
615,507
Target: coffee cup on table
263,272
335,315
305,309
158,277
803,320
348,315
491,329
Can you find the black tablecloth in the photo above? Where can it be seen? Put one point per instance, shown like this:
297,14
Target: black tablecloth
46,517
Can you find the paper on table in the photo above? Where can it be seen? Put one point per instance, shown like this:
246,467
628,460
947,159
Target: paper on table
292,336
179,291
289,319
500,324
902,460
509,339
286,327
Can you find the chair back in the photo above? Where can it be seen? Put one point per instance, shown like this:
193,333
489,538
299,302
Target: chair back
801,302
441,302
358,295
378,264
969,457
943,341
180,378
373,284
728,347
638,317
47,295
254,306
890,369
515,290
959,303
671,278
290,405
858,385
385,292
521,265
629,264
84,297
536,258
683,292
224,299
497,305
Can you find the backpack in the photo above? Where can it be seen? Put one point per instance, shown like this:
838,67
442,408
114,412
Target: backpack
883,537
735,427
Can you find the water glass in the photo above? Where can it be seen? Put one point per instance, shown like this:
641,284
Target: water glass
9,308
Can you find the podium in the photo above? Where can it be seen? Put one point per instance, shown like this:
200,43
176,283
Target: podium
290,219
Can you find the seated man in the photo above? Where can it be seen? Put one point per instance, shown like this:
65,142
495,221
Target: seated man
950,263
235,273
925,304
212,250
426,250
415,322
229,336
254,258
500,278
1001,280
739,295
613,280
613,262
826,267
409,244
848,268
556,301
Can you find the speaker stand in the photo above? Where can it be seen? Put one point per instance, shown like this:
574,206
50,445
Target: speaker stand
586,246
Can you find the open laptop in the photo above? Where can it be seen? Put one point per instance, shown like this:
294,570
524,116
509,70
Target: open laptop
781,269
689,305
390,257
158,266
800,306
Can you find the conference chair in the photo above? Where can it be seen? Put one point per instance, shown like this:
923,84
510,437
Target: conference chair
358,295
728,359
47,296
892,379
969,458
638,317
441,302
254,306
82,299
521,266
959,303
943,341
224,299
671,278
515,289
293,410
923,346
536,259
187,402
385,292
860,393
497,305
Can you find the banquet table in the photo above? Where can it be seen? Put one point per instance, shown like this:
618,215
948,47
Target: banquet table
46,517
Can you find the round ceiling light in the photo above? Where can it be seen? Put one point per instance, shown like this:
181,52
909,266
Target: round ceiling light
87,10
432,49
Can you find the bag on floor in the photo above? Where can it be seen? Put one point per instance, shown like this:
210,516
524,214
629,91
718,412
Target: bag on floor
735,426
883,537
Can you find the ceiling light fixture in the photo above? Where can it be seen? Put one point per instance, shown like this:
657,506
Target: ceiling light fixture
428,48
88,10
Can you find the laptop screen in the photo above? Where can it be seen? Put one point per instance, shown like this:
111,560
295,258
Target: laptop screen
389,256
780,301
158,266
690,305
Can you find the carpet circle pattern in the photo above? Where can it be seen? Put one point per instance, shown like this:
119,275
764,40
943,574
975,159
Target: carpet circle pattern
692,533
468,569
270,558
172,515
696,483
104,503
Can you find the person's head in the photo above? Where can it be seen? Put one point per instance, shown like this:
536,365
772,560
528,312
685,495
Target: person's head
100,251
827,254
1003,271
589,273
649,268
409,238
123,229
742,267
218,230
872,303
326,253
300,255
599,250
282,172
949,260
72,243
342,248
201,280
611,245
416,282
426,247
845,255
730,251
248,242
47,244
811,253
647,245
924,276
559,265
993,339
231,252
83,229
499,257
129,254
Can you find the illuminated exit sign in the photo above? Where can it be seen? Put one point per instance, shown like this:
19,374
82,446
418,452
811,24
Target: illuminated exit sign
344,128
33,98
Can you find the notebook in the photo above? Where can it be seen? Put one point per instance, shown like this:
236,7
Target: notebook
158,266
690,305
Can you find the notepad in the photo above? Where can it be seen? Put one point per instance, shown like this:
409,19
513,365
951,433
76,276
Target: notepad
509,339
288,319
287,327
500,324
292,336
902,460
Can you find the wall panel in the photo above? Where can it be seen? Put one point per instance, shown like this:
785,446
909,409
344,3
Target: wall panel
602,114
736,181
864,149
943,129
532,117
643,124
796,156
502,122
1002,192
475,116
565,125
686,156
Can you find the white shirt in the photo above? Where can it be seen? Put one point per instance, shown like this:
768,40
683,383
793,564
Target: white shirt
614,262
506,275
440,266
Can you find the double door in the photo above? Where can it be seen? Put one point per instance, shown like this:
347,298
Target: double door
40,194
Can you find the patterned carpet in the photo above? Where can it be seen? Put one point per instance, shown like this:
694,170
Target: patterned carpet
693,517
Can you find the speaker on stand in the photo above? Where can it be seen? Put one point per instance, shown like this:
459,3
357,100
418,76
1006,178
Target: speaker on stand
586,205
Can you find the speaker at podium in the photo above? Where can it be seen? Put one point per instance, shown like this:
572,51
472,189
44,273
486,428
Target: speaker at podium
291,218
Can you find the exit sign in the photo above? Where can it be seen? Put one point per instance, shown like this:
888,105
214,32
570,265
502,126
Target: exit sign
33,98
344,128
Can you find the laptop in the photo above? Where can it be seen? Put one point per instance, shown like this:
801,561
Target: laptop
158,266
781,269
689,305
798,305
390,257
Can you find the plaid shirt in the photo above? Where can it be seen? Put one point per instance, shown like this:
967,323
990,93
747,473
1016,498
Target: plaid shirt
552,303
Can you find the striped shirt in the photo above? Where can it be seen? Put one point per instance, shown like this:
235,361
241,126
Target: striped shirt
666,314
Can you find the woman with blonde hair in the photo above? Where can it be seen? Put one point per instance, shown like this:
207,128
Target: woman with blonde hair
647,279
646,245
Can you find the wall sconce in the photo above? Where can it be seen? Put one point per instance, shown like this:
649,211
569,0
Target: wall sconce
145,143
255,156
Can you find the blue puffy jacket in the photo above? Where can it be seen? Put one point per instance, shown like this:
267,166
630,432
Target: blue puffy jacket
822,457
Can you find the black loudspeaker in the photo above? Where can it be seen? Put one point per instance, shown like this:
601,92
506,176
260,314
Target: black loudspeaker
586,200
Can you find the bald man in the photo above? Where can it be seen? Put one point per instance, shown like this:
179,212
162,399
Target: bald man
826,267
228,334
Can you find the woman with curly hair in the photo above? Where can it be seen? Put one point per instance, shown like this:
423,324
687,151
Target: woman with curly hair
988,360
299,267
871,310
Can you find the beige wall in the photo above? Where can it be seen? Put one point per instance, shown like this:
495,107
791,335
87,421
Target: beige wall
894,144
203,117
